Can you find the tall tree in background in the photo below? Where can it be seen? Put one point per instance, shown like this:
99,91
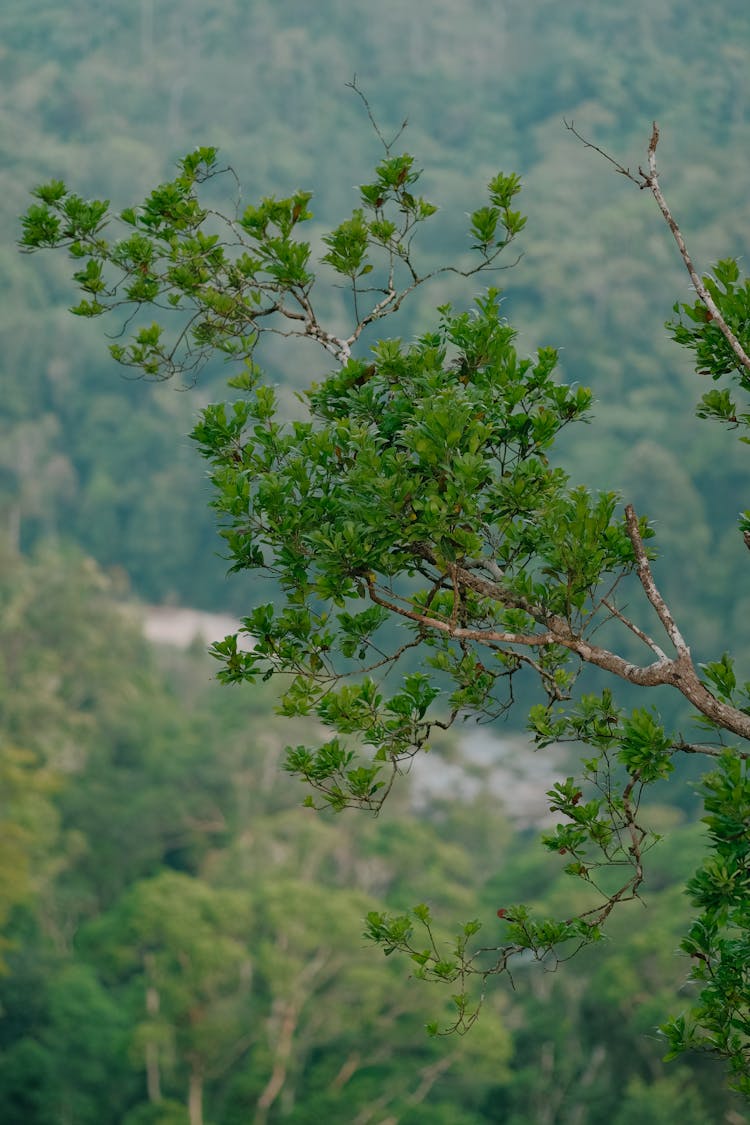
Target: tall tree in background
415,513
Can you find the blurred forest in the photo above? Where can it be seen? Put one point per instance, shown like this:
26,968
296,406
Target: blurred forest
181,943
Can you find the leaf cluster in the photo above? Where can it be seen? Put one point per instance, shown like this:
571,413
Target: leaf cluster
224,278
696,330
717,942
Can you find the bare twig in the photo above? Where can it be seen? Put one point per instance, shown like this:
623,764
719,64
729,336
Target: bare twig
387,145
650,180
634,628
646,579
570,126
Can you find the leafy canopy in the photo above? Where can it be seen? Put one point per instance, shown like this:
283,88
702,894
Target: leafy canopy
414,519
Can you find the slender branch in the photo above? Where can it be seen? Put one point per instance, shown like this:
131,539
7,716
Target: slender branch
660,672
679,672
456,594
637,834
650,180
459,632
387,145
646,579
634,628
709,751
381,309
551,686
623,171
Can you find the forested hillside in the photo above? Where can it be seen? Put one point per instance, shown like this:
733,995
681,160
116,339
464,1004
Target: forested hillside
111,100
182,943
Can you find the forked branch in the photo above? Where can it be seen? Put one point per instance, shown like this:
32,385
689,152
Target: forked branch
650,180
678,671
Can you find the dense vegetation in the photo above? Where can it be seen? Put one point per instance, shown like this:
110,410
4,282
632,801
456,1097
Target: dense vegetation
178,933
160,934
98,467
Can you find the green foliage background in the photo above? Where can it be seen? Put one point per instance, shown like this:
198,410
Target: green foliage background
111,100
126,784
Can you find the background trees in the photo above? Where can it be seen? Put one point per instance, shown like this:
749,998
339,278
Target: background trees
113,101
419,492
187,842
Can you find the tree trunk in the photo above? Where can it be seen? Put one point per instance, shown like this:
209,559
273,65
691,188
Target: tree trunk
288,1019
273,1087
153,1076
195,1095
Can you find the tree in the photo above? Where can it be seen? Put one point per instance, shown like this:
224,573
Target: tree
415,520
184,941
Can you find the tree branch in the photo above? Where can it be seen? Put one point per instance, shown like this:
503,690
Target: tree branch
678,672
646,580
648,641
650,180
709,751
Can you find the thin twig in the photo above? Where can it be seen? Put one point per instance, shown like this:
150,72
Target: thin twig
646,579
650,180
634,628
387,145
570,126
